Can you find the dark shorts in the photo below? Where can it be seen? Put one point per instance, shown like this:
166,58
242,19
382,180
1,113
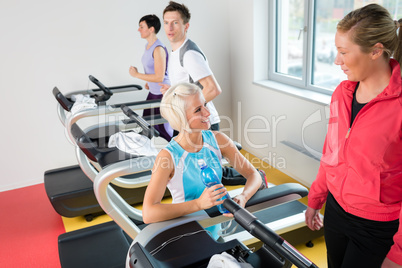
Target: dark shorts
163,128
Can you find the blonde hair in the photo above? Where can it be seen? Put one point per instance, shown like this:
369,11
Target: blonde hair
373,24
173,105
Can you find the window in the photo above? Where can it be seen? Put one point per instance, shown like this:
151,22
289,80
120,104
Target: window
302,51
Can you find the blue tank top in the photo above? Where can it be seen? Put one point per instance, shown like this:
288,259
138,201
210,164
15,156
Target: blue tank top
149,66
186,183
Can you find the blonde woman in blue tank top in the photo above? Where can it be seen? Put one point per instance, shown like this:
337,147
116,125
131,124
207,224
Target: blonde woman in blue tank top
176,166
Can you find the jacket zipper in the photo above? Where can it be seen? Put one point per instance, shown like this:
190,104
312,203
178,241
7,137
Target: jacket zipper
358,115
347,133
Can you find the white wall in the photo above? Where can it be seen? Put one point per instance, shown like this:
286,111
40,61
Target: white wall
53,43
48,43
269,116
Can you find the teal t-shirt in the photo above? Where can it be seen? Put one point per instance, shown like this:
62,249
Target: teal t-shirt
186,183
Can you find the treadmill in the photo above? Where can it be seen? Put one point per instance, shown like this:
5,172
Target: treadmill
90,246
186,244
69,189
104,245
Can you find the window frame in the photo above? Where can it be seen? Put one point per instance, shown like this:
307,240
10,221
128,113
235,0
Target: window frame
308,49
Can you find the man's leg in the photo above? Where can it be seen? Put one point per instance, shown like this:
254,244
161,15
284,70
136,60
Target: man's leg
215,127
230,176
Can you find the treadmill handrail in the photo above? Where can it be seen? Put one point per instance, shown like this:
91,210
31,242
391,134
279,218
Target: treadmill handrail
91,172
148,130
103,110
255,227
87,150
115,89
121,214
62,100
107,92
64,104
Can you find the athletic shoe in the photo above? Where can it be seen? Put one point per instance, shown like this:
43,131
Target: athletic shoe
264,183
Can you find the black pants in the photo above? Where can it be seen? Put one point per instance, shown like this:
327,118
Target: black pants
230,176
353,241
215,126
155,111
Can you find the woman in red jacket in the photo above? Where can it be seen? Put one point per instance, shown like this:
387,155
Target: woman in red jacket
360,175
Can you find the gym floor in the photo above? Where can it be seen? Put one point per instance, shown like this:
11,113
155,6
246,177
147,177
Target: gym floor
29,226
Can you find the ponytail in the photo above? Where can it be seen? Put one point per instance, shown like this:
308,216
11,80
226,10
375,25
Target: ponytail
398,51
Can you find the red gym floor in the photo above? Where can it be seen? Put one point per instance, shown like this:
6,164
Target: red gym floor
29,228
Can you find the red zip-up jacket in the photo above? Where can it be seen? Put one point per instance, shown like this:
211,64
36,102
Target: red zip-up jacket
362,164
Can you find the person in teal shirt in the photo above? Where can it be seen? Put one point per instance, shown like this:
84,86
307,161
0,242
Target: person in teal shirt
176,166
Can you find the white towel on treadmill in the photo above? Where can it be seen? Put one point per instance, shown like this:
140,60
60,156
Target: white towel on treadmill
133,143
226,260
82,102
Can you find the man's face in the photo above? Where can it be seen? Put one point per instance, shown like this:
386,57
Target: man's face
174,26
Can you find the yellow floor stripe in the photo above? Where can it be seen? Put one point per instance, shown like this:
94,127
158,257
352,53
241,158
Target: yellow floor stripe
316,254
72,224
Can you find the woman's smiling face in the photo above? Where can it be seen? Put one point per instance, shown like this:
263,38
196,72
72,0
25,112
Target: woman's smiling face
197,113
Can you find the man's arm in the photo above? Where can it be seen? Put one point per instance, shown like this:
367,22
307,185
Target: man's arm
198,69
211,88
